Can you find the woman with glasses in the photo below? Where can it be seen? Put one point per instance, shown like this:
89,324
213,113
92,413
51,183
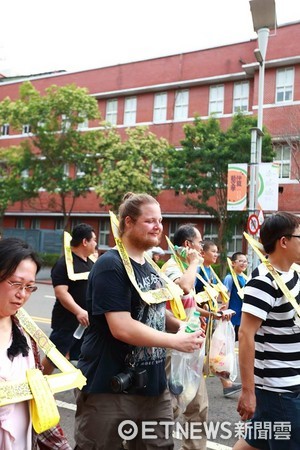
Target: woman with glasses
18,352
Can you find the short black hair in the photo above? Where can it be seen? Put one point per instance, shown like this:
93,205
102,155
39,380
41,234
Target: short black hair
183,233
80,232
12,252
236,255
275,227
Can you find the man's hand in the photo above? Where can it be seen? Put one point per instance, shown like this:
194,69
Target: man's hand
246,404
188,342
83,317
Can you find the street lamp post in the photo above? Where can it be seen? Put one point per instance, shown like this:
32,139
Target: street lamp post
264,18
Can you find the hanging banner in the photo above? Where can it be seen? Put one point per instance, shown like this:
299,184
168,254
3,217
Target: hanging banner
268,186
237,187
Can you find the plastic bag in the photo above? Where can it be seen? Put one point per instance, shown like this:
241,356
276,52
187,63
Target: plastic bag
185,376
222,356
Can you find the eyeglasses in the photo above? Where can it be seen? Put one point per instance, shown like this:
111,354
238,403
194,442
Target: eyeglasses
19,286
293,235
192,242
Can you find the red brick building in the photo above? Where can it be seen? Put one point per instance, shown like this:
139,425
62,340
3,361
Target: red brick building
164,94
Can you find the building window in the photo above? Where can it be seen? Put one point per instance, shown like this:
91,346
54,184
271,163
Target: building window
35,224
26,129
283,158
65,123
181,105
104,232
284,85
20,224
130,111
160,107
240,96
59,224
112,111
157,176
236,243
174,225
75,222
66,170
85,122
216,99
210,232
79,172
5,129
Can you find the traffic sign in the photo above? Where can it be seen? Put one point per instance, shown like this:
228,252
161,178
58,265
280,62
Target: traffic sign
253,224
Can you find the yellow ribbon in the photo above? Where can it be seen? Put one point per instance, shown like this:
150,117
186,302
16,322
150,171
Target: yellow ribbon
240,290
170,293
37,388
69,260
280,283
43,409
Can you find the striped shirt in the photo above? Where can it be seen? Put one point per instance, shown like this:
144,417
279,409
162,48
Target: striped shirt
277,341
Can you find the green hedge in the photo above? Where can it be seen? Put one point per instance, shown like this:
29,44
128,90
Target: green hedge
49,259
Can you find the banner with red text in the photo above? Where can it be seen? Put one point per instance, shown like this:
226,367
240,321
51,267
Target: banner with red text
237,187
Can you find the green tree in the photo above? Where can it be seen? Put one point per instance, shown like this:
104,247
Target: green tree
64,163
60,158
128,165
12,182
200,168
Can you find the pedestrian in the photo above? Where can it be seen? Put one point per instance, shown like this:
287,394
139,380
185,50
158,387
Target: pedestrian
156,254
210,255
235,282
69,279
269,341
123,353
19,265
188,238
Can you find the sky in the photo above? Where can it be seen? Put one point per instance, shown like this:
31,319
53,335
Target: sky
38,36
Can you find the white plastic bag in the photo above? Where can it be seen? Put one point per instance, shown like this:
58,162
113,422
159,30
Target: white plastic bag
222,356
185,376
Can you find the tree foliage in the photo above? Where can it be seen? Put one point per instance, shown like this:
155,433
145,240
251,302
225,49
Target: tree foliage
64,162
199,168
128,165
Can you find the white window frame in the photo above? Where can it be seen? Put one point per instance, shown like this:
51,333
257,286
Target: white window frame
85,124
181,106
157,176
104,232
283,162
160,107
5,129
210,232
216,100
66,170
20,223
173,226
65,123
241,96
236,243
26,129
35,224
112,111
130,105
59,223
285,85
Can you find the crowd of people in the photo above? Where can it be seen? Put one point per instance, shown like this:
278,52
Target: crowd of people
135,314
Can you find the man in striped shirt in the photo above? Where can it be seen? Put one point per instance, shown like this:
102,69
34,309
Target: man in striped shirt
269,343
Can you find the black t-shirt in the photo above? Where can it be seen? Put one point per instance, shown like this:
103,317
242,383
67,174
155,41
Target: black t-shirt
103,356
61,317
